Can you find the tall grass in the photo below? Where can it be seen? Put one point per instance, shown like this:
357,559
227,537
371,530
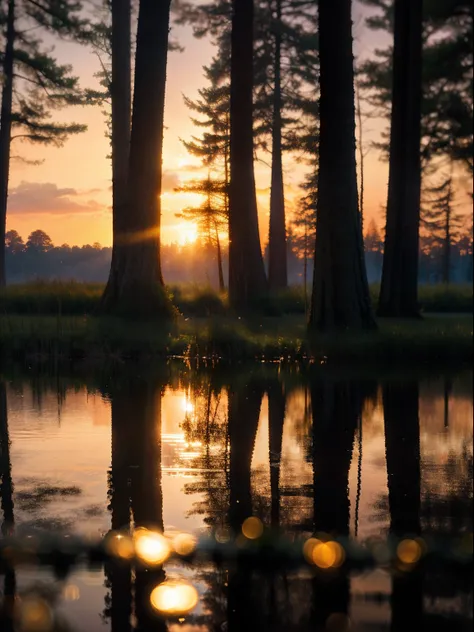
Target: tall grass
74,298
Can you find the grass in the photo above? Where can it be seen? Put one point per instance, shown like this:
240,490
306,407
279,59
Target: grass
73,299
44,320
36,339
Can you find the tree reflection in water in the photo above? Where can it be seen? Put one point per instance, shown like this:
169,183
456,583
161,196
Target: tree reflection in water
229,483
135,496
402,445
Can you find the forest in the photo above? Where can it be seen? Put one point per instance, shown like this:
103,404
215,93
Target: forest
38,259
236,315
283,82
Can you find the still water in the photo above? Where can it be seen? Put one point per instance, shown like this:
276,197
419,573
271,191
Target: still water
199,450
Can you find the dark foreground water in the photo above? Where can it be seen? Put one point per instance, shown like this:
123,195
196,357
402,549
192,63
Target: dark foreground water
200,450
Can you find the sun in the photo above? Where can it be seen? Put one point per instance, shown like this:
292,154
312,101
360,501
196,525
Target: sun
187,233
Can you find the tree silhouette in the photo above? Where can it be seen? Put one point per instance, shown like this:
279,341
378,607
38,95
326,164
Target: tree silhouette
284,63
443,222
447,100
136,288
246,272
14,242
399,288
33,84
120,95
340,291
211,216
277,263
38,241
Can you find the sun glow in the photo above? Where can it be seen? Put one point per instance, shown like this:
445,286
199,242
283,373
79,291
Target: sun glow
187,233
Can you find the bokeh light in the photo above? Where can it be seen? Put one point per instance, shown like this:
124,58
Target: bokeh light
174,597
150,547
308,548
184,544
120,545
252,528
409,551
35,615
324,554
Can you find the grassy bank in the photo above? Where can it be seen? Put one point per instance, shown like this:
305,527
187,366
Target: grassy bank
437,339
74,299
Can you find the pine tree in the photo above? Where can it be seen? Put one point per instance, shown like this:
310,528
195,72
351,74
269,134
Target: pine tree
443,222
211,216
119,88
447,105
340,291
279,60
34,84
212,106
286,65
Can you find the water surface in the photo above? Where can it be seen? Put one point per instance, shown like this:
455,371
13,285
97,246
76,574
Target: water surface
200,450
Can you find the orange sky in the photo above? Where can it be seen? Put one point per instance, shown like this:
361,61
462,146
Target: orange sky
69,194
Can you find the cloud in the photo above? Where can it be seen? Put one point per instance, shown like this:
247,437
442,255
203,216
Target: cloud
46,197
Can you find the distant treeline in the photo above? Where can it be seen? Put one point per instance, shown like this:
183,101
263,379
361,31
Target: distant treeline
39,258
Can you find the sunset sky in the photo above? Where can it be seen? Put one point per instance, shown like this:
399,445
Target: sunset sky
69,194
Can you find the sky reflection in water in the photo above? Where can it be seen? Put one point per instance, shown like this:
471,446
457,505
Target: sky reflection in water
201,451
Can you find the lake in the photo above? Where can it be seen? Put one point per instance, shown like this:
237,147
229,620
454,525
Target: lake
200,449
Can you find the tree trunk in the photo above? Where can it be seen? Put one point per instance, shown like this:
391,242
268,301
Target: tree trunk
305,270
447,235
399,289
277,259
121,95
220,270
246,270
340,290
361,163
138,290
276,420
6,131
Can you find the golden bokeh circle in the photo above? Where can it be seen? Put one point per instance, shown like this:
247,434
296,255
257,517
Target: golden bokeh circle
174,597
409,551
252,528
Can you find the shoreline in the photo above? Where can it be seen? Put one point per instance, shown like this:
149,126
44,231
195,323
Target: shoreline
443,338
